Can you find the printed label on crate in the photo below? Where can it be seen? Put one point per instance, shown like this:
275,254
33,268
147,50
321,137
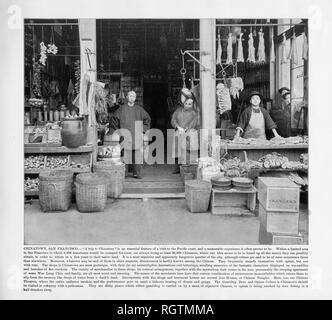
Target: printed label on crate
283,199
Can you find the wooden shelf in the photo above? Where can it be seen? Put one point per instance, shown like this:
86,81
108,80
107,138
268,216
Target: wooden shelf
74,170
31,193
266,146
56,149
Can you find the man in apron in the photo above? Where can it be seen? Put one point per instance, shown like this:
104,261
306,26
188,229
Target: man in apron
255,120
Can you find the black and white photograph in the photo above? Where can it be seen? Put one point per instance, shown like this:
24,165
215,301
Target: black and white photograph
165,150
166,131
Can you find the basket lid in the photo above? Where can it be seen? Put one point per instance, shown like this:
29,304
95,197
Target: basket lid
198,183
222,181
242,182
56,175
95,178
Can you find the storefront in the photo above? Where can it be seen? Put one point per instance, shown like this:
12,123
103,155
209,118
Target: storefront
221,61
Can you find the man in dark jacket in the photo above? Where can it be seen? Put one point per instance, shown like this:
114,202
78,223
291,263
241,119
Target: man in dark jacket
126,116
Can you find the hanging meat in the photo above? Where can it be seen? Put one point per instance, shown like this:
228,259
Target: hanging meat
224,98
293,51
251,48
272,54
235,85
305,47
229,49
261,47
240,49
219,50
283,50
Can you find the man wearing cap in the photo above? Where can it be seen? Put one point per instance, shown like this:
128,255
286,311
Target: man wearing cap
281,100
255,120
126,117
281,113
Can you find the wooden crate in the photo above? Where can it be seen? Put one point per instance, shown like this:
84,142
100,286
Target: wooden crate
278,194
280,222
287,239
233,202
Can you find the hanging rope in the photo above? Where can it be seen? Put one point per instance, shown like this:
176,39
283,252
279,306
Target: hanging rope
183,73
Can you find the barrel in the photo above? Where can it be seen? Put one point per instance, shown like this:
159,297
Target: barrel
55,190
198,195
74,132
115,174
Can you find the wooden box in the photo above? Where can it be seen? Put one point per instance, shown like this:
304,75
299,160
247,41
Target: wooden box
279,221
278,194
233,201
287,239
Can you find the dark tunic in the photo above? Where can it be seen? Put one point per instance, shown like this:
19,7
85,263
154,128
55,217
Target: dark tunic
126,116
246,115
186,119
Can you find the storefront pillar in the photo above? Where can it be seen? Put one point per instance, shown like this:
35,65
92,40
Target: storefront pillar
207,30
88,45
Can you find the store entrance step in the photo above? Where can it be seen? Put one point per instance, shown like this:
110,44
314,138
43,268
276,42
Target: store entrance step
153,187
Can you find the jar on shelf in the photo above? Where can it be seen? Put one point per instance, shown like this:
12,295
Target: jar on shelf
40,116
56,115
45,112
62,111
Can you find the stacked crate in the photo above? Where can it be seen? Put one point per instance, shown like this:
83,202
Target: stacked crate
279,200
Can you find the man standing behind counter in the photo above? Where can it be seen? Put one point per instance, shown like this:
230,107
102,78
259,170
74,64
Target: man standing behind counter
255,120
126,116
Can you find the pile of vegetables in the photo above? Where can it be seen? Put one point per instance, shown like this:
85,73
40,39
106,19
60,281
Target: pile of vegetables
57,162
72,116
34,162
273,160
304,158
31,184
273,141
110,151
79,165
34,102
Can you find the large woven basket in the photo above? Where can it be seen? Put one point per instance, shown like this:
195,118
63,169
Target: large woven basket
115,175
91,192
198,194
55,190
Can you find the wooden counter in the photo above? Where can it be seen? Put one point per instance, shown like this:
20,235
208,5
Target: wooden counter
255,152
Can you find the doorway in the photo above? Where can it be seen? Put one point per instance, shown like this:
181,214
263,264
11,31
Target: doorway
155,102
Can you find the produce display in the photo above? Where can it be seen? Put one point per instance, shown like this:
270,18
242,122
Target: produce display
72,116
276,161
304,158
273,161
57,162
273,141
34,162
31,185
110,152
34,102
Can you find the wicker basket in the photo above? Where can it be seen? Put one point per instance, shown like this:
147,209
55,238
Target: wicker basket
115,175
188,170
198,195
91,192
55,190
